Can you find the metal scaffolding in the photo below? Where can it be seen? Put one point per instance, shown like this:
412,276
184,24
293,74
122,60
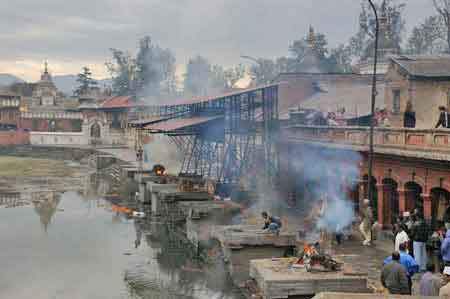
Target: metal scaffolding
222,137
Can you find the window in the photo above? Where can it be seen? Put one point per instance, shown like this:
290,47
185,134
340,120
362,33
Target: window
448,99
396,101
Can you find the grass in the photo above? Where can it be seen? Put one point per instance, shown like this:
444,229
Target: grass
15,166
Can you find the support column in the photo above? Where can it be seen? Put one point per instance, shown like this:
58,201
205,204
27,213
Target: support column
361,195
401,201
380,197
427,210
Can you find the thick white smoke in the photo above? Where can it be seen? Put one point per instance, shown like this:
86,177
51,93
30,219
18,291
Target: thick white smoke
328,175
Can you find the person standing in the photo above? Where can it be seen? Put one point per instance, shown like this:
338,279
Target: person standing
430,284
444,119
394,276
408,262
409,117
401,237
434,245
366,224
445,249
444,292
419,235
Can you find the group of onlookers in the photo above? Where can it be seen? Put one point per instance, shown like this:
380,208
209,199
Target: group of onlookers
418,249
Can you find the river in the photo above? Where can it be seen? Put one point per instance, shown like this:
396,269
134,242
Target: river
72,244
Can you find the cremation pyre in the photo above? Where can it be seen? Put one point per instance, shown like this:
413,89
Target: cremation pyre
312,259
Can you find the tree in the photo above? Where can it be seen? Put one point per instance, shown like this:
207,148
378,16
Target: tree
122,71
198,73
232,75
443,9
85,82
150,73
202,78
362,44
428,37
340,60
264,71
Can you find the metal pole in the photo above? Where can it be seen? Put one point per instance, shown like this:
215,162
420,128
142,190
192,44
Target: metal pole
372,108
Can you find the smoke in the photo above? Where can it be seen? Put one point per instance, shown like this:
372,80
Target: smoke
160,151
325,178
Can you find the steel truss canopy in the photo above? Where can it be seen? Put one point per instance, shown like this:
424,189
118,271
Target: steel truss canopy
190,125
209,99
224,136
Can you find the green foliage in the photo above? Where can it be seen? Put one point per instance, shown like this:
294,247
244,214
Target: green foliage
150,73
85,82
202,78
428,37
362,43
337,60
265,70
443,10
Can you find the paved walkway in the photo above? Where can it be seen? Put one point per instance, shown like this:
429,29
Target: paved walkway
369,259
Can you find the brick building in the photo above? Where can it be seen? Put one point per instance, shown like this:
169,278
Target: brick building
411,165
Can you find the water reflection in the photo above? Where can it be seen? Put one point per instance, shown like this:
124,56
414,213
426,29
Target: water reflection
93,250
45,204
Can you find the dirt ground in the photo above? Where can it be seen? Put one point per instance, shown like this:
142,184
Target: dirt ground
16,166
33,174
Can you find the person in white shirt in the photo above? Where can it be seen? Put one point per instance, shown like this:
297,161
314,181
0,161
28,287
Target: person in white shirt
401,238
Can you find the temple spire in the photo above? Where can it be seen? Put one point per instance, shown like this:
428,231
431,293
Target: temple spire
311,39
46,67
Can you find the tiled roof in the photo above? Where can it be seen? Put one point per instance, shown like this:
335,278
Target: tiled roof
118,102
437,66
354,99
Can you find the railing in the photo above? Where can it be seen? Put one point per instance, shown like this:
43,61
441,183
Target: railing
396,138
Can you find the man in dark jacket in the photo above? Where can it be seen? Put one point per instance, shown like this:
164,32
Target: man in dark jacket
394,276
444,118
419,235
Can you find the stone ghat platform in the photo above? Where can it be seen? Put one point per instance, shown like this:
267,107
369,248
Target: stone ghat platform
238,236
276,279
199,209
329,295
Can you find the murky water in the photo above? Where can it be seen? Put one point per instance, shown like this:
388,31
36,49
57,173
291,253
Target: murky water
66,245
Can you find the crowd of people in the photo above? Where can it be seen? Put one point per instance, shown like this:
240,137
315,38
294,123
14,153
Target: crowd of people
418,248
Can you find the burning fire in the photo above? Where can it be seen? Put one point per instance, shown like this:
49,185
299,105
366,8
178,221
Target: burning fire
309,250
159,170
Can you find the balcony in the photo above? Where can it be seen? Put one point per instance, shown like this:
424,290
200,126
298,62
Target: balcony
419,143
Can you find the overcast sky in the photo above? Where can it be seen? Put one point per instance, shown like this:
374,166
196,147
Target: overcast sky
73,33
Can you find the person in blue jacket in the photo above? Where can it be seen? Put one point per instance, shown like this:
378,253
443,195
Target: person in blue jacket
271,223
445,249
408,262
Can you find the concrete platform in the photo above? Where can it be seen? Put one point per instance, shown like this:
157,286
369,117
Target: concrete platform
366,296
275,280
236,236
199,209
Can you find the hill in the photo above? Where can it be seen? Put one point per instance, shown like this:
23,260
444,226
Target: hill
8,79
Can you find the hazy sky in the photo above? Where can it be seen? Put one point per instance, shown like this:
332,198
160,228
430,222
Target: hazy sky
73,33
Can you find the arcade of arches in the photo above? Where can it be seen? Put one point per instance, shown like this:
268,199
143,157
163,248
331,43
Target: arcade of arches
400,183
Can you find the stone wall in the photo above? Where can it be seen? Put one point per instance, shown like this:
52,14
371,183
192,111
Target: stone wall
425,96
58,138
8,138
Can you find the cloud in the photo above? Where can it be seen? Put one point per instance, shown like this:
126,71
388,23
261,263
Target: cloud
82,30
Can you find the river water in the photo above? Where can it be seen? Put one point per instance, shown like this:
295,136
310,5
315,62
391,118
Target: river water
70,245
